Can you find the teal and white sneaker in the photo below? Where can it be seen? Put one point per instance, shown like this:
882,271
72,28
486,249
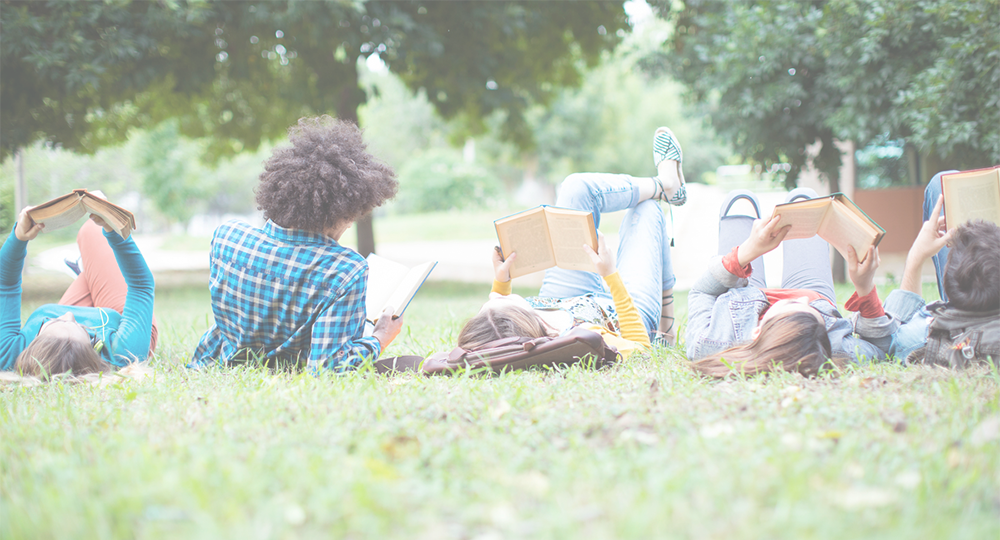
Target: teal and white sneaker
667,148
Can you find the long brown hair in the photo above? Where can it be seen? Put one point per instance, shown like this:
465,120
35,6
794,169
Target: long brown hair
47,356
498,323
794,342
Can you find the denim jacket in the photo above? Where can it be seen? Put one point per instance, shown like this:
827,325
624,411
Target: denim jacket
723,311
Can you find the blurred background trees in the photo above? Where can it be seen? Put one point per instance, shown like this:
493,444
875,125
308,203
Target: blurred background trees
178,103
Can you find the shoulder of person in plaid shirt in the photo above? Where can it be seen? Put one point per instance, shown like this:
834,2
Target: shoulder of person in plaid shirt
286,293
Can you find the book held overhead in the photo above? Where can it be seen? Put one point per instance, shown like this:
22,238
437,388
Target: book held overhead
392,284
971,195
834,218
67,209
547,236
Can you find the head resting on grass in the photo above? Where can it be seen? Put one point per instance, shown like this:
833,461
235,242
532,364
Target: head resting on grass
326,179
46,356
794,341
498,322
972,274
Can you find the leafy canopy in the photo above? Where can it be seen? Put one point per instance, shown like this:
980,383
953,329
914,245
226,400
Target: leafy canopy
81,74
784,74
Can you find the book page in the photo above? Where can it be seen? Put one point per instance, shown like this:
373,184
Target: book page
109,213
844,228
383,278
63,213
527,235
971,195
805,217
408,287
569,232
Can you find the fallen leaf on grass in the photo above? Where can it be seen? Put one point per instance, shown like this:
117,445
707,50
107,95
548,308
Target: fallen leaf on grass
534,482
712,431
908,479
896,420
987,431
499,409
641,436
295,515
860,498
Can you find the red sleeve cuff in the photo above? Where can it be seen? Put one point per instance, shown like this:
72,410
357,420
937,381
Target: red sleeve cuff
731,262
869,306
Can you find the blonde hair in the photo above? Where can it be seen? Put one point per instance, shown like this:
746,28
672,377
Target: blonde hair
47,356
500,322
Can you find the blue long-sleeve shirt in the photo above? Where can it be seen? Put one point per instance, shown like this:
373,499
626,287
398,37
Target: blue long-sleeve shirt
125,335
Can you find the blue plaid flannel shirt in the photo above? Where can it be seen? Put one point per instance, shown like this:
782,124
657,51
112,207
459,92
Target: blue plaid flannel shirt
286,293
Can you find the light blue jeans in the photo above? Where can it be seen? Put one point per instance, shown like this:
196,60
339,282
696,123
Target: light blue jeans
643,252
931,194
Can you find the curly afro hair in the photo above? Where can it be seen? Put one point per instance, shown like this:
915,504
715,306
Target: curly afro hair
325,178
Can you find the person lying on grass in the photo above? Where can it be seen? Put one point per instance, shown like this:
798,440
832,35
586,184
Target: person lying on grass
627,303
738,325
967,265
104,319
289,293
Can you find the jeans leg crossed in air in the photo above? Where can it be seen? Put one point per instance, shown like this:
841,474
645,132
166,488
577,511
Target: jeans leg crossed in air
643,257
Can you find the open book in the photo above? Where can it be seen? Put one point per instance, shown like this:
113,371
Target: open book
392,284
834,218
547,236
67,209
971,195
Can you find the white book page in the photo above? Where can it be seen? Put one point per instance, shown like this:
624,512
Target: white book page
384,276
408,287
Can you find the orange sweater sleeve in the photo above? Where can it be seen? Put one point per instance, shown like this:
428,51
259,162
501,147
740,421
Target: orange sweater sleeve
501,287
628,317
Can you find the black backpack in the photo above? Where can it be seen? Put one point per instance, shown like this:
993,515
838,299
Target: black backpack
957,338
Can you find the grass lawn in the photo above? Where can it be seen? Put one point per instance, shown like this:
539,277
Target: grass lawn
641,450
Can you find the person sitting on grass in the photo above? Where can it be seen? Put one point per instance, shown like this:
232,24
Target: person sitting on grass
627,303
967,265
289,292
738,325
104,320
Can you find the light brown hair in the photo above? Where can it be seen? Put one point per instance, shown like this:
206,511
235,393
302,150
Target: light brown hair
46,356
795,342
500,322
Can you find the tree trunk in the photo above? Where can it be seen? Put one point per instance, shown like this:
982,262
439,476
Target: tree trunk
348,101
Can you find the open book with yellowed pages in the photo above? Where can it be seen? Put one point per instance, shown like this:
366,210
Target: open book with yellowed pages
67,209
547,236
392,284
971,195
834,218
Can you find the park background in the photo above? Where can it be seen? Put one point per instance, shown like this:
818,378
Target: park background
170,109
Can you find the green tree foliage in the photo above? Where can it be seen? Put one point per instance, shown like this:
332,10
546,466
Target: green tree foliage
441,180
82,73
171,178
784,74
607,123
